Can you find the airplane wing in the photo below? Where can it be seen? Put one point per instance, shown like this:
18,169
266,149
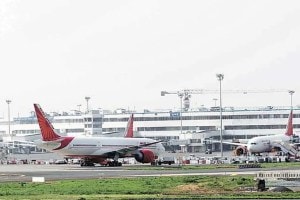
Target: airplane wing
235,143
232,143
125,150
108,133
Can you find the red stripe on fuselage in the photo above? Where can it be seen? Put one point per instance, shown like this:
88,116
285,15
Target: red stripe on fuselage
65,142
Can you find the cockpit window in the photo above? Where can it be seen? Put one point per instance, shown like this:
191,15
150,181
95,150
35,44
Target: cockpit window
253,143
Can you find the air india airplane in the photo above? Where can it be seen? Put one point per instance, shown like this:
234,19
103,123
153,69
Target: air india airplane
262,144
96,149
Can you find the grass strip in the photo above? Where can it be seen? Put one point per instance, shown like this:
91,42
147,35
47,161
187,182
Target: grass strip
181,187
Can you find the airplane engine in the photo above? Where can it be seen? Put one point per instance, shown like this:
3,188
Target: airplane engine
240,150
144,156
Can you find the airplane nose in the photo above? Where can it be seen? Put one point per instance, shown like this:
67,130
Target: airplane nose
250,148
162,148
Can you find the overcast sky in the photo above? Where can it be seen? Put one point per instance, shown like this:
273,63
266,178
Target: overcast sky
123,53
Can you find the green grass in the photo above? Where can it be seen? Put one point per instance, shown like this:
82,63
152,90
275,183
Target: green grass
281,165
182,187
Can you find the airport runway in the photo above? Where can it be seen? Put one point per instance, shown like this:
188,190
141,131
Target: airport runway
24,173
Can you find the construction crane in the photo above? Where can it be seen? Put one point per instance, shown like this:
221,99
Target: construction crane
186,94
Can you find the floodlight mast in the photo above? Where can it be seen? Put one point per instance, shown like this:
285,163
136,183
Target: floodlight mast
8,101
180,95
87,104
291,92
220,78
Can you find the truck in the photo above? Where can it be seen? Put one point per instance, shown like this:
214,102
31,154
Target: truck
166,160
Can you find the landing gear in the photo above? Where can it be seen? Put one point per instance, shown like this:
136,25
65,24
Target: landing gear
114,164
87,163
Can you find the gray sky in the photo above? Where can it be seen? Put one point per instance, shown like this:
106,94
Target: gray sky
123,53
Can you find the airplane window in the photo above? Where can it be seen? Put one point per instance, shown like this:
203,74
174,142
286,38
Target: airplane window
253,143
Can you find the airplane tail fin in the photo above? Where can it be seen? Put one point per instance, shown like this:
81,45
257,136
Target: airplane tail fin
129,129
289,127
47,130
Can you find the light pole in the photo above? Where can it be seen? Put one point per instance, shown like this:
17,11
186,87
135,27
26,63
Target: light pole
79,105
291,92
8,113
220,78
180,96
215,99
87,103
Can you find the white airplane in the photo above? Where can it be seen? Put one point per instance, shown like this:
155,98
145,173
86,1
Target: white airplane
262,144
96,149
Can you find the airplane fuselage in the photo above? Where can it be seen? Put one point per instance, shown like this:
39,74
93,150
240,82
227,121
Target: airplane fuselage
99,146
265,143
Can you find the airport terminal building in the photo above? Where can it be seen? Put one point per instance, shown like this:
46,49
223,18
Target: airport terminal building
192,130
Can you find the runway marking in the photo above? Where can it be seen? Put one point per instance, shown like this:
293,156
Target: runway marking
22,175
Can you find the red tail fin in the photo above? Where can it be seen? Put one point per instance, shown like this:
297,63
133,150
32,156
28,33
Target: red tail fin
46,127
289,127
129,129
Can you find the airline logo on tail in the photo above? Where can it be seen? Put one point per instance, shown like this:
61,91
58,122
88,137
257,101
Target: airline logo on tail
129,129
46,127
47,130
289,127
